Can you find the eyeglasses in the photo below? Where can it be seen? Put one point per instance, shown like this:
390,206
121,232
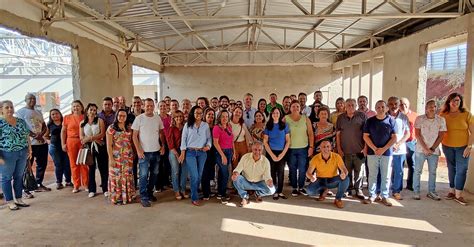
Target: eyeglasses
248,115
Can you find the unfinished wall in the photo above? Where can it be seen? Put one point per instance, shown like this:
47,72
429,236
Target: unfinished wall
181,82
97,72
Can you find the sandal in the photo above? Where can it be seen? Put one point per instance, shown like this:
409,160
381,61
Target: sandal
178,196
275,196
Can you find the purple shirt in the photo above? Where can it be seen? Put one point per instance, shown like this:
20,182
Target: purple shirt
108,120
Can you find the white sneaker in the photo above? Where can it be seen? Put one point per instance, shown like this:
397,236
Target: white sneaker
75,190
87,190
91,194
106,194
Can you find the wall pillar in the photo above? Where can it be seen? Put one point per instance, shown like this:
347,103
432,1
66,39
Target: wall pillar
468,99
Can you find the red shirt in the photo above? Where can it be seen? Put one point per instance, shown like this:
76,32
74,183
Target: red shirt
173,138
411,119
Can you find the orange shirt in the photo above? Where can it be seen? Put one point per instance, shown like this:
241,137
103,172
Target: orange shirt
458,129
71,123
411,119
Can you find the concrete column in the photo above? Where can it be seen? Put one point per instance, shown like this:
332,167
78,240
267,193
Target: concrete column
355,85
376,74
365,79
468,98
422,77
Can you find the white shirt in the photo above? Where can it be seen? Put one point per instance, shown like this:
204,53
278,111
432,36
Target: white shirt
238,131
306,111
149,131
429,130
34,120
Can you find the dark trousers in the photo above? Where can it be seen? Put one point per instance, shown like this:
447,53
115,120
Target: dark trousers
277,170
164,171
101,162
39,153
135,170
61,163
209,172
354,164
410,159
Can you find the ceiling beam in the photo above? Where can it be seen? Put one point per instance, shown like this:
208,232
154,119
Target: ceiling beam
219,50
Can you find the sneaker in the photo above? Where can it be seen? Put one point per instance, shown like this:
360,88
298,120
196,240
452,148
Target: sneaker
20,203
219,197
417,197
224,200
75,190
386,202
361,195
146,204
369,200
69,184
28,195
397,196
91,194
338,203
275,196
330,193
434,196
59,186
282,196
450,196
206,198
44,188
460,200
87,190
294,192
153,198
303,192
106,194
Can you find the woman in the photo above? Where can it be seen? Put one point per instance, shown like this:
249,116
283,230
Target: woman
224,144
120,152
92,134
242,138
195,142
15,148
60,159
323,130
71,144
340,108
210,166
256,131
301,147
457,144
276,140
179,172
313,117
262,106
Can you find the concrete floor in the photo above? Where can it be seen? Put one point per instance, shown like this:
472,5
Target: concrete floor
60,218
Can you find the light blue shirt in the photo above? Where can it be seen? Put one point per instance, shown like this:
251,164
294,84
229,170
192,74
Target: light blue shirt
249,116
196,137
401,127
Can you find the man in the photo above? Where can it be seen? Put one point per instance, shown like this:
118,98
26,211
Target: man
107,114
323,174
231,105
429,130
135,112
167,100
39,147
215,104
286,105
293,97
174,106
115,104
223,102
164,170
238,103
411,142
186,107
273,103
362,101
305,110
253,173
147,134
123,103
351,146
379,135
249,111
402,131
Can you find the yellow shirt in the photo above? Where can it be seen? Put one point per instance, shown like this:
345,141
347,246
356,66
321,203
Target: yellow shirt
458,126
333,117
326,169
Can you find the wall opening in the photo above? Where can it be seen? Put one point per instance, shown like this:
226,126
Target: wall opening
146,83
32,65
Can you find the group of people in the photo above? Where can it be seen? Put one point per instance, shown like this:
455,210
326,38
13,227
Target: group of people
145,148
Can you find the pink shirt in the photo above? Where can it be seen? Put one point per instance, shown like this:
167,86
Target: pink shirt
226,138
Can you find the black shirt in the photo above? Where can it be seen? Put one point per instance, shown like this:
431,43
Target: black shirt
55,132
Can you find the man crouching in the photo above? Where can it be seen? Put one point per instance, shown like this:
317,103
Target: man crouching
323,173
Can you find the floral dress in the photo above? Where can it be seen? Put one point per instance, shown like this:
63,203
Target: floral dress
121,185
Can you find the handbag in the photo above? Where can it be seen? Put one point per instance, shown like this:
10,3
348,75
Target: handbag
29,180
84,157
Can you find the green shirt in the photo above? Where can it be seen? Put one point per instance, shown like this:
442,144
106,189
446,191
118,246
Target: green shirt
13,138
298,132
270,107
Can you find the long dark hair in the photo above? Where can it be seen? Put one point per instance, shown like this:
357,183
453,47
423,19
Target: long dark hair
447,107
264,110
313,117
191,118
80,103
50,121
86,117
281,124
115,125
241,119
209,109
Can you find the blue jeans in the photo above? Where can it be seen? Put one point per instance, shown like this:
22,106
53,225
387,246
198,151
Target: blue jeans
398,162
195,160
148,167
320,184
261,188
223,177
13,169
432,165
297,163
379,164
61,164
410,158
179,173
457,166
